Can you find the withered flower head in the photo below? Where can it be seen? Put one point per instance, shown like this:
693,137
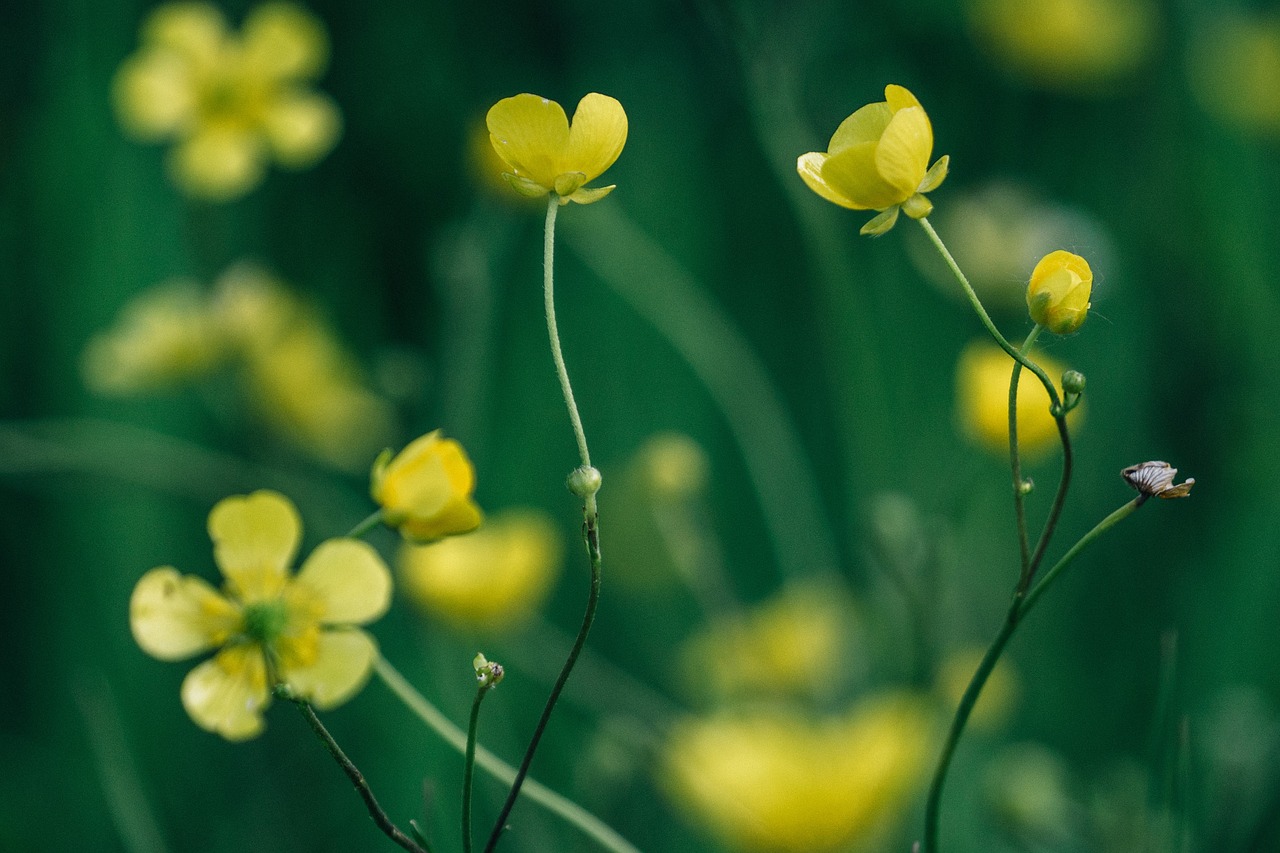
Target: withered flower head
1156,479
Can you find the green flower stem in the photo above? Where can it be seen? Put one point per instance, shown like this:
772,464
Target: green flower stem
374,519
1015,457
1018,609
379,816
1059,499
986,318
590,523
469,763
571,812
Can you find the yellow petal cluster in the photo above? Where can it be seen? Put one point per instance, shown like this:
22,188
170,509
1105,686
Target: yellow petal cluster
425,490
982,400
547,154
1059,290
792,643
230,102
489,578
777,780
878,159
1075,45
267,624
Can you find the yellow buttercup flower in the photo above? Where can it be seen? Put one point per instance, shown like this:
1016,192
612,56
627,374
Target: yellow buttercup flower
267,625
163,337
547,154
878,159
231,102
792,643
1058,294
491,577
775,780
425,489
982,400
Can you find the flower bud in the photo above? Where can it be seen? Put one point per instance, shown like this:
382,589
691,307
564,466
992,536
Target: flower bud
488,673
1058,293
584,481
425,490
1073,382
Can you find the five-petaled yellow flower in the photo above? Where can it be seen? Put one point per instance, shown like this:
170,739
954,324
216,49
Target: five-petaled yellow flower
1058,293
425,489
269,627
547,154
878,159
231,102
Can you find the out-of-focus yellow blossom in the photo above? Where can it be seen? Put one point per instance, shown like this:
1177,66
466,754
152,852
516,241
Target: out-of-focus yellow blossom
1058,293
1081,45
230,102
254,308
674,466
267,625
998,695
878,159
491,577
793,643
773,780
982,400
997,232
163,337
425,490
547,154
1235,70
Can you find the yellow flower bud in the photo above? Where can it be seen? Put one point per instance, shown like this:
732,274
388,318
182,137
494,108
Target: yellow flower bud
426,489
1058,295
878,159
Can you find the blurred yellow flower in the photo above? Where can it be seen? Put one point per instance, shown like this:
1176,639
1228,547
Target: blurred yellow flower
1059,290
425,489
999,695
674,466
1235,70
878,159
163,337
1069,44
547,154
774,780
982,400
230,102
491,577
268,626
793,643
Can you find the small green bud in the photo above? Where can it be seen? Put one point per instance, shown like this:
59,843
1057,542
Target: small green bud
488,673
1073,382
1027,486
584,481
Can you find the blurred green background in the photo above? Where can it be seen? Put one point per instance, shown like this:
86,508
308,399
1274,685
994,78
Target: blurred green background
711,295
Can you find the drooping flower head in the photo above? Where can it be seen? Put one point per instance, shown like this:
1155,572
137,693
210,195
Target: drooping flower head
1059,290
231,102
878,159
425,489
547,154
298,630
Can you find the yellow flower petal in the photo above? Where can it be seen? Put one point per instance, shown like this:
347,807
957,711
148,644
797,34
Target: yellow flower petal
461,515
196,30
596,136
255,538
589,195
340,668
348,579
867,124
219,163
227,694
530,133
852,173
899,97
810,168
283,41
301,128
426,489
902,157
174,617
154,94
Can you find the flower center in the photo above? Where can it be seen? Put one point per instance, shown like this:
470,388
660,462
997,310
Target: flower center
264,621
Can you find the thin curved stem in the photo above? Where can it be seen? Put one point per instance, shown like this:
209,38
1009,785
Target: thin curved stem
1059,499
456,738
379,816
986,318
553,332
373,520
1100,528
1015,457
469,764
